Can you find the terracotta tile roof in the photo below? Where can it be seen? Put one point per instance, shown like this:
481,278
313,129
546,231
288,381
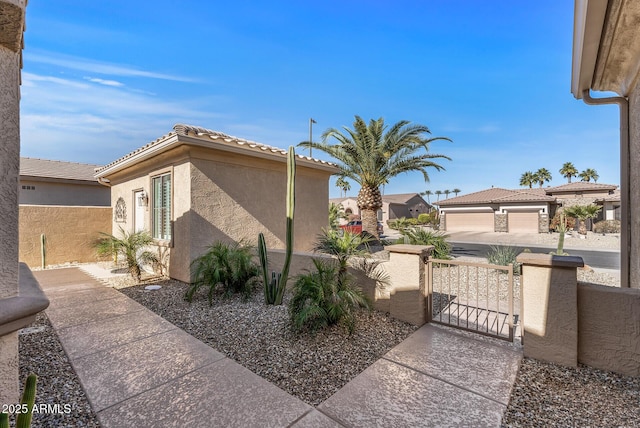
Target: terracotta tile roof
580,186
399,198
497,195
209,136
42,168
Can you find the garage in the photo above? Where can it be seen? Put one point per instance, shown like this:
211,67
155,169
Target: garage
469,222
522,222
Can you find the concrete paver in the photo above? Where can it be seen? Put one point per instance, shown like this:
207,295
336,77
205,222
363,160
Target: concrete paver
140,370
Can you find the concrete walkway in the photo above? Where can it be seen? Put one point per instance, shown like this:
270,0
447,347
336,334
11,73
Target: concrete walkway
139,370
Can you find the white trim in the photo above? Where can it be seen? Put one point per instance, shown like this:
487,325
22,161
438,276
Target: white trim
588,23
540,208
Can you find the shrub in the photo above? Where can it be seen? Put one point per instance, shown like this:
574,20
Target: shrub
502,255
424,218
324,297
607,226
131,246
416,236
569,222
230,266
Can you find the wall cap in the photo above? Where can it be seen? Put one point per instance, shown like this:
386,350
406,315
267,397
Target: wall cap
410,249
20,311
537,259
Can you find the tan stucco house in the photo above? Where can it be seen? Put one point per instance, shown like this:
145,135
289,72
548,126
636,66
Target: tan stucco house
52,182
521,210
194,186
606,58
393,206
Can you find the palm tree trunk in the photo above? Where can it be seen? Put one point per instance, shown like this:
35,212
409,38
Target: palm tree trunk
369,202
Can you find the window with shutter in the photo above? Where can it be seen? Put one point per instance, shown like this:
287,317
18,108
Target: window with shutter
162,207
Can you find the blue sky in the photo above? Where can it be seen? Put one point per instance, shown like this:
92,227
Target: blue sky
101,79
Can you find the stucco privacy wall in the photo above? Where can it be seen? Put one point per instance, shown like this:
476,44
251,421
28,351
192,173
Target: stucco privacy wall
609,328
634,186
69,233
12,18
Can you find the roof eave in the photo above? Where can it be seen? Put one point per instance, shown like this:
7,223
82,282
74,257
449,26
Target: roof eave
589,17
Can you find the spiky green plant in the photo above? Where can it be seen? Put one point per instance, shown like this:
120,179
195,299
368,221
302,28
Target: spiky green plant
562,228
322,298
336,213
582,213
227,265
131,246
26,403
503,255
419,236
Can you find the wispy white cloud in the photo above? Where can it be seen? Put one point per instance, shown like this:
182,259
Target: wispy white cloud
92,66
104,81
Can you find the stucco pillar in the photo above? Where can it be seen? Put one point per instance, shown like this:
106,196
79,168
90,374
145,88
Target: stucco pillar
408,290
12,19
550,307
633,205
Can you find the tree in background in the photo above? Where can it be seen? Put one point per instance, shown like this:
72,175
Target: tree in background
438,193
582,213
589,174
568,171
528,179
336,213
427,193
343,185
542,176
456,191
447,193
371,154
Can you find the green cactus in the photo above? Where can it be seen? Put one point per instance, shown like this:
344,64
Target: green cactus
27,401
43,250
562,228
274,289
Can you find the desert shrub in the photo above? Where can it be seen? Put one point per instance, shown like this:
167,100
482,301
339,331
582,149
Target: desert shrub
607,226
229,266
324,297
392,224
424,218
418,236
502,255
131,246
413,221
569,222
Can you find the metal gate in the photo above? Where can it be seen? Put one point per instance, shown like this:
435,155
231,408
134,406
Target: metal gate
477,297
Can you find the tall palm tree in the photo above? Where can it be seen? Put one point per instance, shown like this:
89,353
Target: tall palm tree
456,191
589,174
438,193
427,193
447,193
542,176
528,179
582,213
344,185
568,171
371,154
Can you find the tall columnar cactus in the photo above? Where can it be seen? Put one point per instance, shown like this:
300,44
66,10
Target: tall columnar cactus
26,403
562,228
43,250
274,288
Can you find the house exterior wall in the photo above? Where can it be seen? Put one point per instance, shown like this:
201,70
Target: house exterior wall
69,233
59,193
12,12
571,199
254,191
634,186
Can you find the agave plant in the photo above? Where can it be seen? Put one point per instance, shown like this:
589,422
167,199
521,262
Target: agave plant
131,245
419,236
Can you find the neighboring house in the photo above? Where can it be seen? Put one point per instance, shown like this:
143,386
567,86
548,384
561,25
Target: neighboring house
520,210
393,206
51,182
195,186
610,207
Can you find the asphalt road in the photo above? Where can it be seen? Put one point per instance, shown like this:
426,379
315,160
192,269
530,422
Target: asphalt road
596,259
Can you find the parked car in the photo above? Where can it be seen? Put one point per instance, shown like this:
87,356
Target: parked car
355,226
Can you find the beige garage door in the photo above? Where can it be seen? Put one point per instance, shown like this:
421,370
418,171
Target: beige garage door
523,222
469,222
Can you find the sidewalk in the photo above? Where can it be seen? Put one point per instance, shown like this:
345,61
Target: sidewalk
139,370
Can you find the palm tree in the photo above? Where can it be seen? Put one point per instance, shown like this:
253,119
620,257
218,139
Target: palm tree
371,154
438,193
447,193
542,176
344,185
527,179
582,213
427,193
131,245
589,174
568,171
456,191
